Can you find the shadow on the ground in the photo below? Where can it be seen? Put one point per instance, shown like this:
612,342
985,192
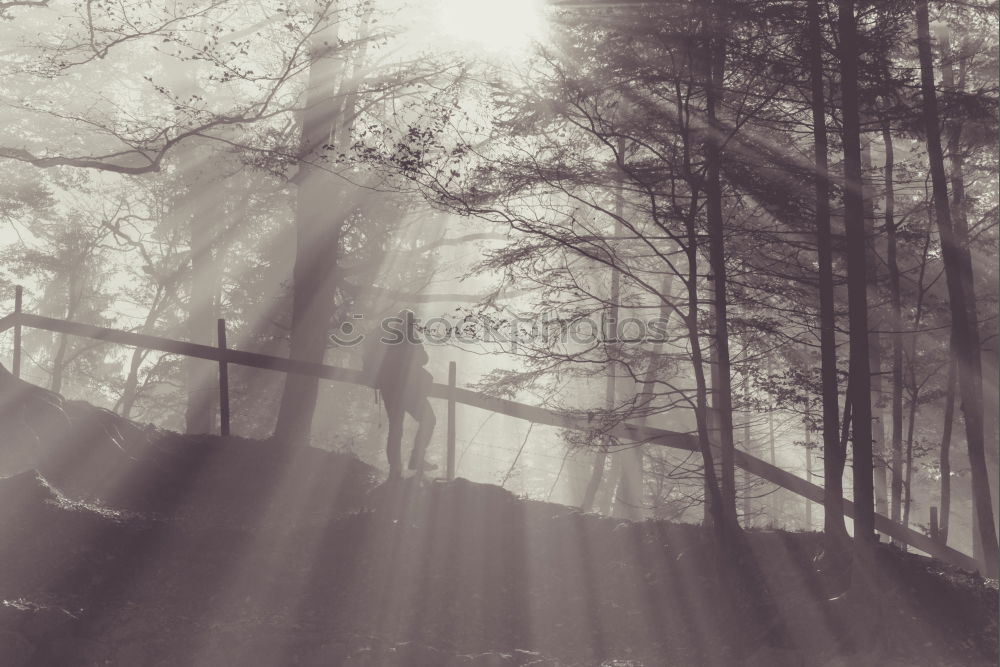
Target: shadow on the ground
135,547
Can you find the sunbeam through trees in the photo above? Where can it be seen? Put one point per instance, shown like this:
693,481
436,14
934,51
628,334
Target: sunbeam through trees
579,333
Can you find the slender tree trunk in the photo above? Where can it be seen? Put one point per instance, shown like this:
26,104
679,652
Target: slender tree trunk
809,469
897,328
833,454
612,349
914,403
859,388
945,457
714,514
629,497
647,391
965,327
772,453
58,364
913,386
607,498
594,483
712,418
713,498
748,447
722,394
629,492
908,480
845,427
130,392
73,298
875,324
771,443
953,132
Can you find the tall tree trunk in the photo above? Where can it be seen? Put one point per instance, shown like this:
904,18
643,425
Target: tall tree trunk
833,454
965,327
713,499
953,131
323,206
859,387
714,514
722,392
875,324
628,497
738,567
914,388
612,350
203,310
897,327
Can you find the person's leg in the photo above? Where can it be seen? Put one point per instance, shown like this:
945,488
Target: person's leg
394,443
424,414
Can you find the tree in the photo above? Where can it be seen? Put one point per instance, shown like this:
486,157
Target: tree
859,387
833,457
964,321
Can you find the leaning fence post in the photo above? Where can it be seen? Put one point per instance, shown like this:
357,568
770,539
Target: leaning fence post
223,382
451,420
16,364
934,524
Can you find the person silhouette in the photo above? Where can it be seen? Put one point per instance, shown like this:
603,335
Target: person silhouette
395,364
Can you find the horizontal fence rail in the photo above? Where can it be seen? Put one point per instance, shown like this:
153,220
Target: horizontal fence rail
452,394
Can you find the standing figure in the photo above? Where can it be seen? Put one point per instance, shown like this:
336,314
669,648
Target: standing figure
394,364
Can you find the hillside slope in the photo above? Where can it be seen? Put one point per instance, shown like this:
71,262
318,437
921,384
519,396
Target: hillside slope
129,546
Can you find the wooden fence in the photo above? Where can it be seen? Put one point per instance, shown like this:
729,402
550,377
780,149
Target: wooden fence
453,395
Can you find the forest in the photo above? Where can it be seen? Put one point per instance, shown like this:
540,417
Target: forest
579,333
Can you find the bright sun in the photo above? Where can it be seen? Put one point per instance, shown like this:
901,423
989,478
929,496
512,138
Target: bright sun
498,26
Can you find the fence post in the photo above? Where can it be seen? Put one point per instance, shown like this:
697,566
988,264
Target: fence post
809,478
934,523
223,382
16,364
451,420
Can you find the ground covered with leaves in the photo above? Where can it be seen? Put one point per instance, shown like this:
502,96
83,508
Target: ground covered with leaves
128,546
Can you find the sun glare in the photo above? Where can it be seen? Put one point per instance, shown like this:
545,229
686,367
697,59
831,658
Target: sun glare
497,26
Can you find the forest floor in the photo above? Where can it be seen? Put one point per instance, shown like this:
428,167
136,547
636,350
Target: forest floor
168,550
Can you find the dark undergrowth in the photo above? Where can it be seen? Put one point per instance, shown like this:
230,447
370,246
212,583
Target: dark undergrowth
132,547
